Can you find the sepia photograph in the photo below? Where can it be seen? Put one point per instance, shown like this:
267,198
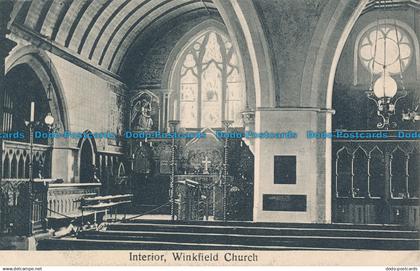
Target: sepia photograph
209,132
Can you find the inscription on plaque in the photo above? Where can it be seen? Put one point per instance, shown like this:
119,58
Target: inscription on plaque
292,203
284,169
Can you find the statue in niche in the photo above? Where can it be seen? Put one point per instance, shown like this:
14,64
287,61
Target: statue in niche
144,112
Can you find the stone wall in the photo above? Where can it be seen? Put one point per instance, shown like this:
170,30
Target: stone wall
147,59
289,26
93,103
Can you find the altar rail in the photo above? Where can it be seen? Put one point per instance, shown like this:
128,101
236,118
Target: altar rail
376,181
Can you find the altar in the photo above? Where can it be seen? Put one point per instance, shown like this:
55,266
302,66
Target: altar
197,165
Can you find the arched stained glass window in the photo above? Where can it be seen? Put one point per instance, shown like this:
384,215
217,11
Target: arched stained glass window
210,84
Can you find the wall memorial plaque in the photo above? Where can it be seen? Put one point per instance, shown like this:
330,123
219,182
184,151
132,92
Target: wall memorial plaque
284,169
292,203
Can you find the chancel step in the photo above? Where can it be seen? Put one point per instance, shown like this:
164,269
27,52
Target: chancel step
155,234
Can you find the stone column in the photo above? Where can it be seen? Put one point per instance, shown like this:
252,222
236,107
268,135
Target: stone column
313,165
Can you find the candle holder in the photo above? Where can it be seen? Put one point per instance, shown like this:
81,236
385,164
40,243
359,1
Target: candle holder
32,124
172,124
226,124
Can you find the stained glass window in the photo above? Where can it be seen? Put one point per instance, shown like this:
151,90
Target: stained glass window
211,87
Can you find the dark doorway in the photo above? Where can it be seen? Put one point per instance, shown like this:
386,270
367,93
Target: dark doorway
86,162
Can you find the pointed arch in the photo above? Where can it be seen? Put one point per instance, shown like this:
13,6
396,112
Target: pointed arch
360,172
6,166
40,63
86,156
205,74
398,173
376,171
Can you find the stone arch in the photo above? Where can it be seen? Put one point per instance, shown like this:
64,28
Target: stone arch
183,43
178,52
41,64
247,35
329,38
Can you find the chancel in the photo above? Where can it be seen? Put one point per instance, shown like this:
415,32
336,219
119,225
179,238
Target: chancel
258,81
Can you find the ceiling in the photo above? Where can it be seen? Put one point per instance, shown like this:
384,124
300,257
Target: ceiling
98,32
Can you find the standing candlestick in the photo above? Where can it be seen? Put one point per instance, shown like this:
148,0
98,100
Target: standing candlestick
226,124
32,112
172,125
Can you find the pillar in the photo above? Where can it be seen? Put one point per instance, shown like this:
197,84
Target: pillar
64,162
309,199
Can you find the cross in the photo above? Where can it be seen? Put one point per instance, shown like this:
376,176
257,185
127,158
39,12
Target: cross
206,163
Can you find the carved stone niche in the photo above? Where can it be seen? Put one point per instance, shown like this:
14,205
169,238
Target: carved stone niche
145,112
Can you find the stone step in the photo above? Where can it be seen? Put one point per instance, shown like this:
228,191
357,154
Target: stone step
271,224
256,230
94,244
164,234
353,242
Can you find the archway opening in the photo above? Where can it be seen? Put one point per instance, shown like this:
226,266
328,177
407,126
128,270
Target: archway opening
87,158
23,88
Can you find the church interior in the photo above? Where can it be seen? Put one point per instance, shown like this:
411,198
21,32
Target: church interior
100,70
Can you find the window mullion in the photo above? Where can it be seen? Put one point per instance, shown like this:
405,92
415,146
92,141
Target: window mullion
199,90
